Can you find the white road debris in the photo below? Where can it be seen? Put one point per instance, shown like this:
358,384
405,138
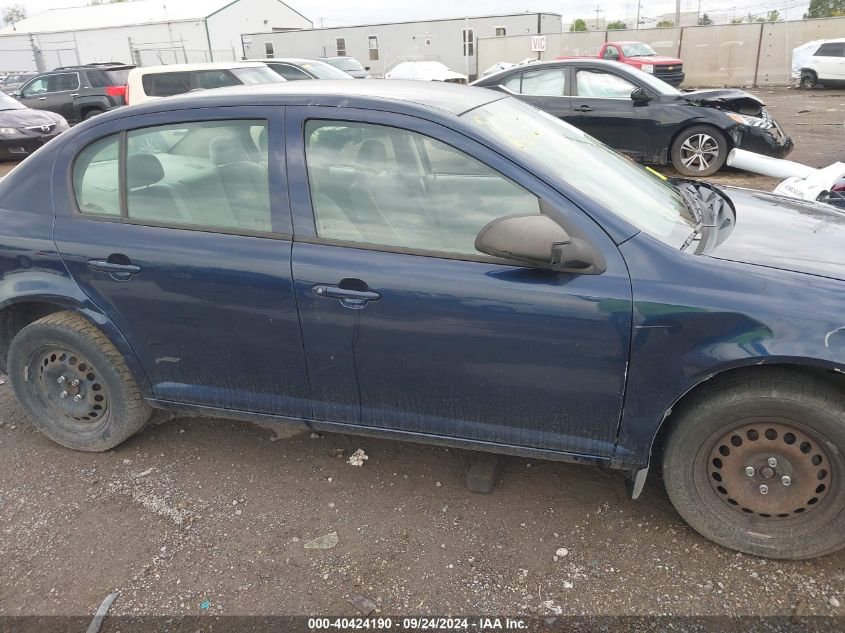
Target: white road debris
357,458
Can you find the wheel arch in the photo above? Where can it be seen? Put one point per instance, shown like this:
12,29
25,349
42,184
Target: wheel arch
17,313
827,372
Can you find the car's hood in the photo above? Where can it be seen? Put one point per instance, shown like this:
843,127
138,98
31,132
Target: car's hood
785,233
657,59
726,99
26,118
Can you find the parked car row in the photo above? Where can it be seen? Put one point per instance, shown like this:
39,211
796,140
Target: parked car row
623,105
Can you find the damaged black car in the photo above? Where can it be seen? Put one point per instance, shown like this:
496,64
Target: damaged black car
644,117
23,130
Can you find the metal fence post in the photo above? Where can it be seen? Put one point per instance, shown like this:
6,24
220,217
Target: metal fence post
759,52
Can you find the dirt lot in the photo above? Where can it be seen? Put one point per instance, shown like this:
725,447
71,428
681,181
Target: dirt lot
211,517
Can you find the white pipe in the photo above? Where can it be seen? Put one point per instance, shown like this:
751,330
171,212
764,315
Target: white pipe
774,167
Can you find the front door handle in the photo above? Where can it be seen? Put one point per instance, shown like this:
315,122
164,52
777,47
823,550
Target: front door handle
118,272
42,98
583,108
353,299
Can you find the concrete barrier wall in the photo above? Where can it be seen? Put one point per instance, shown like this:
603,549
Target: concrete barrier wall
722,55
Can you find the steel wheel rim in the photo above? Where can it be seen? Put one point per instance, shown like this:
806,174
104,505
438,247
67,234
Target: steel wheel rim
796,524
68,387
699,151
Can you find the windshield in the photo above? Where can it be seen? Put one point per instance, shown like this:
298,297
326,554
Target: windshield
639,196
347,63
256,75
8,103
324,71
640,49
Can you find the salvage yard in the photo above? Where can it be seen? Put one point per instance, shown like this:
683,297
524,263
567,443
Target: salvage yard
207,517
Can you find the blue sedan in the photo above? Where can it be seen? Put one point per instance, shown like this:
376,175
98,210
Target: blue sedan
439,264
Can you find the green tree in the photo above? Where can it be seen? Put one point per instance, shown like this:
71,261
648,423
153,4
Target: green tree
737,20
825,8
13,13
665,24
578,25
704,20
773,16
617,25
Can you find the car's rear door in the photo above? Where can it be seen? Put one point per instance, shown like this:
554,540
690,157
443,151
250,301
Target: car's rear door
408,328
184,243
545,88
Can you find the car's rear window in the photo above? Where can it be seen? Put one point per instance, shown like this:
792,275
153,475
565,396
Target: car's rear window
118,77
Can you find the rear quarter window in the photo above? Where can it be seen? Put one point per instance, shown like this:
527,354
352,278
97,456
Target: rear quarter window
96,178
166,84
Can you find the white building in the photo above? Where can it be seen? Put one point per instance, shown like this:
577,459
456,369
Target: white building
381,46
144,32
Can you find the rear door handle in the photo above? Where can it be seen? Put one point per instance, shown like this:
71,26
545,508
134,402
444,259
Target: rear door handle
353,299
42,98
118,272
583,108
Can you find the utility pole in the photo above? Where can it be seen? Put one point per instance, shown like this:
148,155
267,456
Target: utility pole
639,6
598,10
677,13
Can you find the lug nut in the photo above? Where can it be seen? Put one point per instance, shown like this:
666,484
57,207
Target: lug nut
764,489
77,398
60,379
63,394
786,480
75,383
749,470
773,462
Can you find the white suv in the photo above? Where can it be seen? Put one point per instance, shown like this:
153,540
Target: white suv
819,62
155,82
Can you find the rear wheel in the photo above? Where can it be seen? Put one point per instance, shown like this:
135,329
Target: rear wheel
74,384
90,114
699,150
757,466
809,80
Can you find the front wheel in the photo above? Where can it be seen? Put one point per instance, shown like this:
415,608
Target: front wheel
74,385
809,80
699,151
757,465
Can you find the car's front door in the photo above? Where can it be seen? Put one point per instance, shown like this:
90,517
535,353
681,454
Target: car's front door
188,253
407,327
603,108
54,92
544,88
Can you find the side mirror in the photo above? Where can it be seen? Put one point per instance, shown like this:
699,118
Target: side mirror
17,94
366,67
537,240
640,95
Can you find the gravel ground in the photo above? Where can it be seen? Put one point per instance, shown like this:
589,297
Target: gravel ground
197,516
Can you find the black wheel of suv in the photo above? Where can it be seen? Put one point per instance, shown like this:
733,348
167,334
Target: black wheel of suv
91,114
74,384
699,150
757,465
809,80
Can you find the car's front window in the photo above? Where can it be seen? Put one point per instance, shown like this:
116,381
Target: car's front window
626,189
347,64
257,75
638,50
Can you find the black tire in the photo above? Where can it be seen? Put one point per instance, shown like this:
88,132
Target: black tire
90,114
699,150
809,80
737,427
47,356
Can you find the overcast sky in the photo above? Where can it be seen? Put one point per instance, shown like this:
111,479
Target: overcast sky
344,12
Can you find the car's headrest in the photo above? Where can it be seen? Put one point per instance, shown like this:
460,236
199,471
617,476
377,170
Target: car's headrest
225,150
263,141
373,154
143,170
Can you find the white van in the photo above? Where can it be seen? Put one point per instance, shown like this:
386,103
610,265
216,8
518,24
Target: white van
820,62
154,82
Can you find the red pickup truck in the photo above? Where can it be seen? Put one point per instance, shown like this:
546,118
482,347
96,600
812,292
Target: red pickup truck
642,56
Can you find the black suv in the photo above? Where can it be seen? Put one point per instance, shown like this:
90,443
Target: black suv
77,92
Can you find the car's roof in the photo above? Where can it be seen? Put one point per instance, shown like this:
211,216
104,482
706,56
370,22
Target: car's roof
287,60
452,98
173,68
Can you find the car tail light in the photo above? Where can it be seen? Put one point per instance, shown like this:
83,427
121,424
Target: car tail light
116,91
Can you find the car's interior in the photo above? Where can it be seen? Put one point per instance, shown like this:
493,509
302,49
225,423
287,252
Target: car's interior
387,186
